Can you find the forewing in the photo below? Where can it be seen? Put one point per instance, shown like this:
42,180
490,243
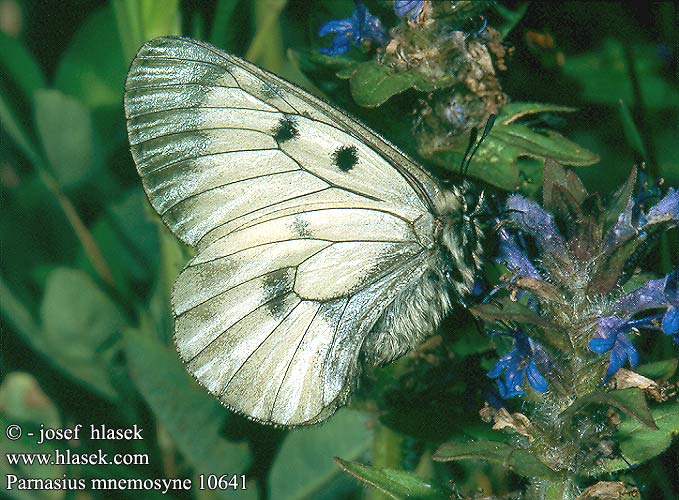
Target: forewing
220,143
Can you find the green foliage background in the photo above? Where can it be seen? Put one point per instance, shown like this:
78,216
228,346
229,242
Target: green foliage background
86,268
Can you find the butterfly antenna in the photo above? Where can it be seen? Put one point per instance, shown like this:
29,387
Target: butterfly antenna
474,145
472,139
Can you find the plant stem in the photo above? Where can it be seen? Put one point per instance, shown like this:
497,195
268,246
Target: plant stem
544,489
386,453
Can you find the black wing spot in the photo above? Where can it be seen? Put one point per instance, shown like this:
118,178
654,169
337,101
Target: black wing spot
285,130
301,227
275,287
345,158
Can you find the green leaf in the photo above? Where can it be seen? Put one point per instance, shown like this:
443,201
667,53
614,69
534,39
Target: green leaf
659,370
468,342
19,64
511,17
631,131
22,402
190,415
128,239
13,125
507,310
266,48
394,483
81,325
516,140
141,21
619,201
224,23
604,76
93,68
522,462
304,465
497,161
373,84
517,110
631,401
17,314
67,135
639,444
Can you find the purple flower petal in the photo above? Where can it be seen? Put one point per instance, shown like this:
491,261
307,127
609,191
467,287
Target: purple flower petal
340,45
536,380
601,345
409,8
654,294
612,336
666,209
361,27
341,26
536,221
514,257
518,364
670,323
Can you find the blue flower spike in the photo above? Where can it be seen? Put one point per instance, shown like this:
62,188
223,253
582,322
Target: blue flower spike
408,8
612,331
517,364
361,28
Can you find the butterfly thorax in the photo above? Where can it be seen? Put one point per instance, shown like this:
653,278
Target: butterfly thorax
460,235
454,258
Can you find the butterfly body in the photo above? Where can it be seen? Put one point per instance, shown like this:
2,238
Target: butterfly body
321,248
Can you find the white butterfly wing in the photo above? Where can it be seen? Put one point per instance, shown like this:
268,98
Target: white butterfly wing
307,226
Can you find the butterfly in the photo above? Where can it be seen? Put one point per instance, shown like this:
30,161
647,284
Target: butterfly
321,249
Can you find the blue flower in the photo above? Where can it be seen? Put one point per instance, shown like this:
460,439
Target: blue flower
666,209
654,294
408,8
536,221
633,220
514,256
670,323
359,28
520,363
613,337
612,331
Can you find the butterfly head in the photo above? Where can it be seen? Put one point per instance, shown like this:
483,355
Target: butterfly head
461,235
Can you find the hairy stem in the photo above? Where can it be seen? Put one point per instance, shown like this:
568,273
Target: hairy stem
543,489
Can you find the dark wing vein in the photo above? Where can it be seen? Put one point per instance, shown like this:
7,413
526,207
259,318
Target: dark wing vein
287,368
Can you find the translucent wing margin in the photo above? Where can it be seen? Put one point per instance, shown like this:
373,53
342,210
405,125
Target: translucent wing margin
307,226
